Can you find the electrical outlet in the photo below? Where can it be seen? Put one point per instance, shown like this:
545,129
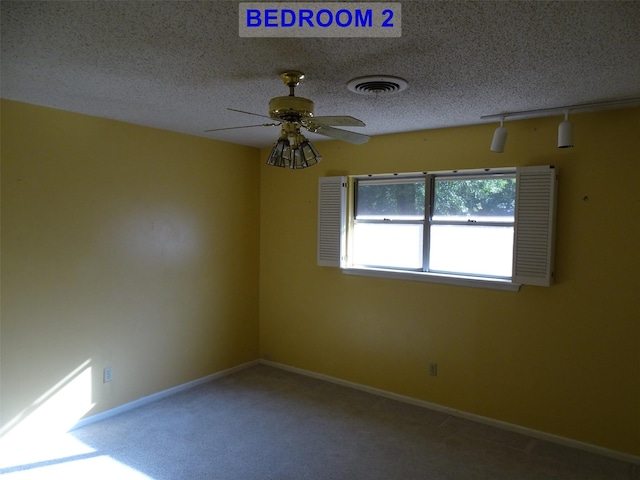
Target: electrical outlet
107,375
433,369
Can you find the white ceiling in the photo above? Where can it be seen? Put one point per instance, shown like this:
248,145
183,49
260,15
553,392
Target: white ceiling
179,65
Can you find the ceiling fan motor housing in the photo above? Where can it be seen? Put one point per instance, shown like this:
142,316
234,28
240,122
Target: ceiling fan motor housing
290,109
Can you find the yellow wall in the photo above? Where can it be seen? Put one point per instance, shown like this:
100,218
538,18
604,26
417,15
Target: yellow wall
564,360
122,246
139,248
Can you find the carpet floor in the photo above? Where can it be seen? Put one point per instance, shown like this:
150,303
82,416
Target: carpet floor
264,423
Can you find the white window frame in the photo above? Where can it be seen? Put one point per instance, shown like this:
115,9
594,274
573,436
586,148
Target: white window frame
534,232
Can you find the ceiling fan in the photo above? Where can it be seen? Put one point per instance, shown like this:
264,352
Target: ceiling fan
293,113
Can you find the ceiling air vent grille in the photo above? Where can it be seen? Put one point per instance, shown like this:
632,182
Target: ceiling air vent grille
377,85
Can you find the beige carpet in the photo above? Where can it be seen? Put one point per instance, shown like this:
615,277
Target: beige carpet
265,423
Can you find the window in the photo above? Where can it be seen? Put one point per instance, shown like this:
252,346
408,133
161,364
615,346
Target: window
389,223
471,225
463,227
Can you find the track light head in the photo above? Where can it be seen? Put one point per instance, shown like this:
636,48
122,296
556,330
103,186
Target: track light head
499,138
565,132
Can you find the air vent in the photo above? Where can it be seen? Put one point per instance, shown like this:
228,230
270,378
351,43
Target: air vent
377,85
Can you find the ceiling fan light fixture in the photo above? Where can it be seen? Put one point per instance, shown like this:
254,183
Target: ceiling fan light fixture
305,155
297,154
280,155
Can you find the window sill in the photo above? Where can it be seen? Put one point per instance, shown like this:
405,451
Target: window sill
458,280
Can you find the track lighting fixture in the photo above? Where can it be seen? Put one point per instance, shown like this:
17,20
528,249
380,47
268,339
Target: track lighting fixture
565,129
565,132
499,138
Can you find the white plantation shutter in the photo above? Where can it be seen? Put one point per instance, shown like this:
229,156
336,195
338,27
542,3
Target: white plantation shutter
533,248
331,220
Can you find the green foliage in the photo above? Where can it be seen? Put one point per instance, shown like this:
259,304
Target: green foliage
476,197
458,197
393,199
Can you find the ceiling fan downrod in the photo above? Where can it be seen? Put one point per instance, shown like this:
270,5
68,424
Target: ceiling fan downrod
292,79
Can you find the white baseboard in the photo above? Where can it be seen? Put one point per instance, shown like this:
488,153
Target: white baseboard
159,395
537,434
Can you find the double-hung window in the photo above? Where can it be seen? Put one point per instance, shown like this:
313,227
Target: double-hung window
471,225
388,223
491,227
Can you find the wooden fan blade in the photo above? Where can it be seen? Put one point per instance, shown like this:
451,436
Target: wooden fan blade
338,121
338,134
248,113
245,126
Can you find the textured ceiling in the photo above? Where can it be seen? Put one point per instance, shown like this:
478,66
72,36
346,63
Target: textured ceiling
179,65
